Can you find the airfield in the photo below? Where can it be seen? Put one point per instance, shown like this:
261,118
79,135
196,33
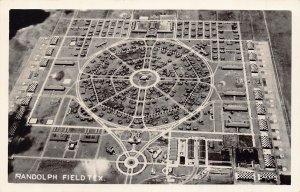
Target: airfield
144,97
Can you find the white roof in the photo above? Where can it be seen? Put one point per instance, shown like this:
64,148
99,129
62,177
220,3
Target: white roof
49,122
144,18
267,151
33,121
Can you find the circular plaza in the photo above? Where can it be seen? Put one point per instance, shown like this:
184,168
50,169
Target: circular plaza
144,83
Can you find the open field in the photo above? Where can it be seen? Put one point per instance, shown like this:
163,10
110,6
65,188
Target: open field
281,44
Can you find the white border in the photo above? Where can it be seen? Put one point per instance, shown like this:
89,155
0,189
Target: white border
291,5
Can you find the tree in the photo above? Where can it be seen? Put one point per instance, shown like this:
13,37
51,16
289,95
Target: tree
60,75
19,140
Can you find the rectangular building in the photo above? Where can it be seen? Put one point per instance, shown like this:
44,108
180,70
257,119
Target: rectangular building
59,137
69,63
173,149
234,93
250,45
252,56
89,138
202,150
44,62
235,108
54,40
54,88
232,67
191,146
49,51
237,124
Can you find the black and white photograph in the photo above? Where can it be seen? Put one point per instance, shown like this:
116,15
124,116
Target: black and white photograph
164,97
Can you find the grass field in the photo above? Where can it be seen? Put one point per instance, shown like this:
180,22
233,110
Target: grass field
87,150
20,165
63,111
46,109
55,149
280,38
108,141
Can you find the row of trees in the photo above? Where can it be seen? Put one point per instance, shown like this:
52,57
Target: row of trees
19,141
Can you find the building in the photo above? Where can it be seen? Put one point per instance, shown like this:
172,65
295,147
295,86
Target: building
49,51
143,18
237,124
69,63
33,121
20,112
26,100
151,33
32,87
72,145
89,138
110,150
54,40
267,176
12,128
234,93
263,125
202,150
254,68
246,156
54,88
231,107
182,160
203,52
258,94
269,161
165,27
44,62
266,142
245,175
236,36
252,56
49,122
260,108
140,26
232,67
135,138
250,45
191,146
59,137
152,27
173,150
